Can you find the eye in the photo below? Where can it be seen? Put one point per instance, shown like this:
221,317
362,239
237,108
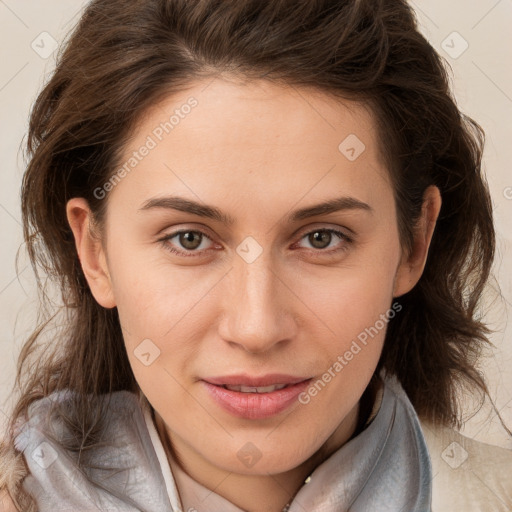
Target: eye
190,240
320,240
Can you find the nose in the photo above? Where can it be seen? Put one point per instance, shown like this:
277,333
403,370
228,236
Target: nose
257,313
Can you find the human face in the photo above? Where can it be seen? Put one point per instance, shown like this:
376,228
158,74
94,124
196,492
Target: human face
260,295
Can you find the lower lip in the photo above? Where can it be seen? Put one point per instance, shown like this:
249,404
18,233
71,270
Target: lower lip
255,406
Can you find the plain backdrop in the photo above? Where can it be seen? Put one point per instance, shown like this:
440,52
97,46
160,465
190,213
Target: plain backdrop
475,37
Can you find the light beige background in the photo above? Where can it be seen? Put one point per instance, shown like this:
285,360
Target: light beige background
483,88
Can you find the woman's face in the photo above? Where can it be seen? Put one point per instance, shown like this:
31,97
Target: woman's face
263,286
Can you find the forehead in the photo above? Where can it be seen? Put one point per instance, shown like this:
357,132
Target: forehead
256,113
256,138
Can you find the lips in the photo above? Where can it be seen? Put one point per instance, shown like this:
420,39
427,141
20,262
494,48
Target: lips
255,397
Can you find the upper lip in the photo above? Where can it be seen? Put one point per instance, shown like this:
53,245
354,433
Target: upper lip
252,381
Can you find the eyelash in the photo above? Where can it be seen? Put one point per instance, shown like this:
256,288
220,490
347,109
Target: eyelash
190,253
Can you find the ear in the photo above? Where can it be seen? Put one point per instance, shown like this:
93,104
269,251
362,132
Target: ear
412,265
90,251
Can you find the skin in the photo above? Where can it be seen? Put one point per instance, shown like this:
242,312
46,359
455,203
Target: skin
256,151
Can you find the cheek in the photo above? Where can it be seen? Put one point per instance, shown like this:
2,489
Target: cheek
356,306
152,295
357,310
351,298
164,313
153,309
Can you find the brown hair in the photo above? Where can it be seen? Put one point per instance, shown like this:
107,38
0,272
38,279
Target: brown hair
126,55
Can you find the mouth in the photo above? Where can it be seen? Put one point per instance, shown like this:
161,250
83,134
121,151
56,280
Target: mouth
255,389
255,397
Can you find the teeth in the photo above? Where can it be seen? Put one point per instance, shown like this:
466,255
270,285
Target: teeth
251,389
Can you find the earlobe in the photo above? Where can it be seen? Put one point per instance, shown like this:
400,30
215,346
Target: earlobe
412,265
90,251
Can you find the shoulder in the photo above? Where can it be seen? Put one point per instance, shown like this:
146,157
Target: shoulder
467,475
50,420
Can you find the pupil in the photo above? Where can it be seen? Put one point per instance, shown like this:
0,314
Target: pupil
188,239
321,237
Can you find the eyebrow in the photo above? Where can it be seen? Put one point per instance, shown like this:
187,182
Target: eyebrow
203,210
